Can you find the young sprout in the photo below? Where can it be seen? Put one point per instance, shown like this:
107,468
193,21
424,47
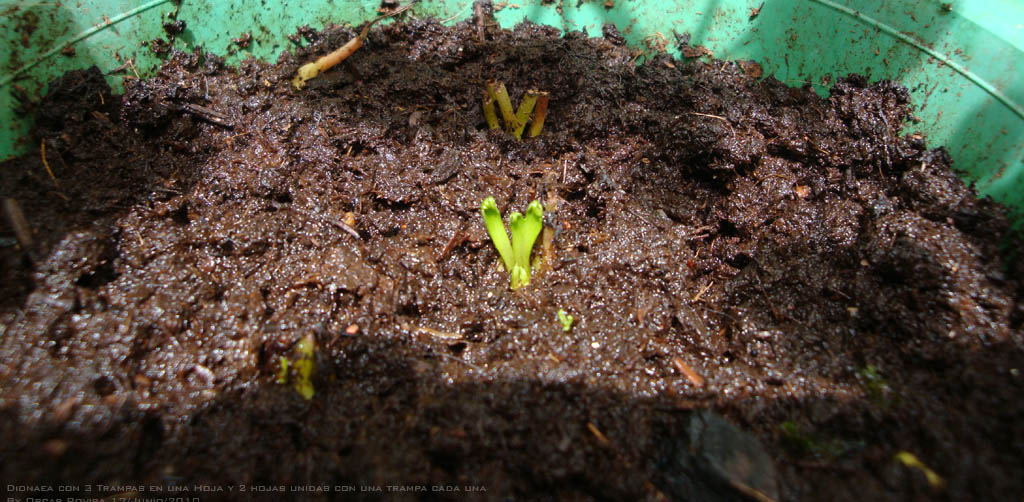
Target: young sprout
565,319
910,460
489,114
524,111
499,94
540,112
302,368
534,103
282,373
515,253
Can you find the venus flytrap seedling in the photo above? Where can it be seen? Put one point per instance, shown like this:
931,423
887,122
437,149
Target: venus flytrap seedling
565,319
300,371
515,253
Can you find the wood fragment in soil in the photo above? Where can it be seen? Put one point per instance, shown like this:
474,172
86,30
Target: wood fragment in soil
688,372
703,290
16,219
460,237
751,492
212,116
432,332
341,224
598,434
719,117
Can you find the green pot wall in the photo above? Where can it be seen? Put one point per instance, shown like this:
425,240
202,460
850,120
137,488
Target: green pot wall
961,59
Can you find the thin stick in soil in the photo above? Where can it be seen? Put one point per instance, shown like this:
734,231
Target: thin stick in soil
211,116
16,219
601,438
456,241
342,225
311,70
688,372
46,165
719,117
702,291
432,332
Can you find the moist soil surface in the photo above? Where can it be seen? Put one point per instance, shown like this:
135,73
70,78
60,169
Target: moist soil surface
774,294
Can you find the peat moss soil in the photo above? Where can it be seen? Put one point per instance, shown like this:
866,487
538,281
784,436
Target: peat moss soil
793,263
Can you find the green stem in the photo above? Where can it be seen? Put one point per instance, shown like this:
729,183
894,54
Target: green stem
500,95
523,114
489,114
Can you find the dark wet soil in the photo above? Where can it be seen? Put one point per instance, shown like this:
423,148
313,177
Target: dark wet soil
826,286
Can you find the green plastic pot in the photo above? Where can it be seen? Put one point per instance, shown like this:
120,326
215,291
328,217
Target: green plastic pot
962,60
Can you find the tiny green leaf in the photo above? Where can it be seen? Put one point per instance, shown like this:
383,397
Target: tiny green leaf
300,371
910,460
496,229
304,365
565,319
525,230
282,374
519,277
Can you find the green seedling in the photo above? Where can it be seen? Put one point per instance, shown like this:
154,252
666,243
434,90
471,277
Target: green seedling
282,372
805,443
565,319
523,113
910,460
877,388
515,253
301,374
534,103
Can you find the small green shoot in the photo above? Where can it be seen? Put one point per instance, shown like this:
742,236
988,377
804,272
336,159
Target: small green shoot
499,94
523,113
282,374
877,388
805,443
910,460
565,319
515,253
489,114
534,104
302,367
